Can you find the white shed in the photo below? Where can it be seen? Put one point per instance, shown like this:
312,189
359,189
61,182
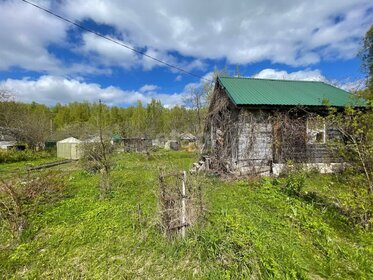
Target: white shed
69,148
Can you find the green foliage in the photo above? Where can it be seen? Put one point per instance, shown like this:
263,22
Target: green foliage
8,156
28,123
35,123
253,230
343,193
366,54
294,183
24,195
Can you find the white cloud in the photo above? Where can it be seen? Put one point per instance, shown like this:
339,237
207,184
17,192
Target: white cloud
52,89
304,75
147,88
25,39
106,53
291,32
350,85
310,75
49,89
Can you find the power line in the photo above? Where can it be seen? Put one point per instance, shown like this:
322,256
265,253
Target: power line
115,41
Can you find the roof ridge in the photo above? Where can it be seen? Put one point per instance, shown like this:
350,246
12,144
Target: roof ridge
281,80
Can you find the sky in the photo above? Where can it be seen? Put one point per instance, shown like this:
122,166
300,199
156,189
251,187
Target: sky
47,60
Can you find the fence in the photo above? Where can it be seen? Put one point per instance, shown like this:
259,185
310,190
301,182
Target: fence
180,202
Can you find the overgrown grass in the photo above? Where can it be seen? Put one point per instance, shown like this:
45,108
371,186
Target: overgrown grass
14,158
253,229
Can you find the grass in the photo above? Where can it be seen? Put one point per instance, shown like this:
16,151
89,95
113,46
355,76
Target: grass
252,229
9,156
6,167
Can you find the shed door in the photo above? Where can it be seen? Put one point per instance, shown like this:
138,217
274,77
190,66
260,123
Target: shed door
289,139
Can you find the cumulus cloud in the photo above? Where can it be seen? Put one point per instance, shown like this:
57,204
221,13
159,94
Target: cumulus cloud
52,89
25,35
49,89
291,32
106,53
310,75
304,75
147,88
351,85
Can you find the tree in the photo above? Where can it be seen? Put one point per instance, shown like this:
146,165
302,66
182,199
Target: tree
154,118
97,156
366,55
27,123
196,99
356,127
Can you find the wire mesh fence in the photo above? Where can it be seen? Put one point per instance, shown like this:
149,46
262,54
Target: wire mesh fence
180,202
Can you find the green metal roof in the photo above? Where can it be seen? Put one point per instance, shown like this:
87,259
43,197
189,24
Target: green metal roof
250,91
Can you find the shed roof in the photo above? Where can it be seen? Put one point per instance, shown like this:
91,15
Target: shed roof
70,140
251,91
8,143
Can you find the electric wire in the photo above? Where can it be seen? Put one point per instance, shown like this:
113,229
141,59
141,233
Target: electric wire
116,41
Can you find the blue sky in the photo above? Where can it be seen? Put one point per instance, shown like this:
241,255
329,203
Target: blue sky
46,60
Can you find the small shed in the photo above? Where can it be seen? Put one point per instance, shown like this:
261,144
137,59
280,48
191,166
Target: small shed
69,148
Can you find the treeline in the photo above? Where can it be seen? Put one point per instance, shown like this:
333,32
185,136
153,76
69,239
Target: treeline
35,123
140,120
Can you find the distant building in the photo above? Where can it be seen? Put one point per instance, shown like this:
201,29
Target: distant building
136,144
187,137
8,143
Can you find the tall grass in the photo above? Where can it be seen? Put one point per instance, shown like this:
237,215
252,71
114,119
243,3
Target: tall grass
253,230
9,156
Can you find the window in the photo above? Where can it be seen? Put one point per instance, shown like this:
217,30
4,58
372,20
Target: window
316,131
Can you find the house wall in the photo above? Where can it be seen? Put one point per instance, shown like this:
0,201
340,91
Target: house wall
253,150
253,153
260,140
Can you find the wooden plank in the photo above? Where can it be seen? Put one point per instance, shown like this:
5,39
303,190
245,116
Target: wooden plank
47,165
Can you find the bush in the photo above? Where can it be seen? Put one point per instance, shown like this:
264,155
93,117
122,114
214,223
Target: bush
22,196
294,183
9,156
97,157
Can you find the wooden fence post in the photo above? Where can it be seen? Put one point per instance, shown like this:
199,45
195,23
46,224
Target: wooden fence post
183,208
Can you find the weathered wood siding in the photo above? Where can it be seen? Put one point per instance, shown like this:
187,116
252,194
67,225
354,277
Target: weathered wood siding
254,149
252,139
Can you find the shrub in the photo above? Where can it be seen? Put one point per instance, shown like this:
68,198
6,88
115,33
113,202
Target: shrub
9,156
97,157
19,197
294,183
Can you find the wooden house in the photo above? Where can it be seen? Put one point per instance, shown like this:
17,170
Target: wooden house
258,126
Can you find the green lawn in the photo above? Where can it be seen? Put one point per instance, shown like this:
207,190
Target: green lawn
252,230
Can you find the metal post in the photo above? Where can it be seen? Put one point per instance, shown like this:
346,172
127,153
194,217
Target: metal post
183,209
